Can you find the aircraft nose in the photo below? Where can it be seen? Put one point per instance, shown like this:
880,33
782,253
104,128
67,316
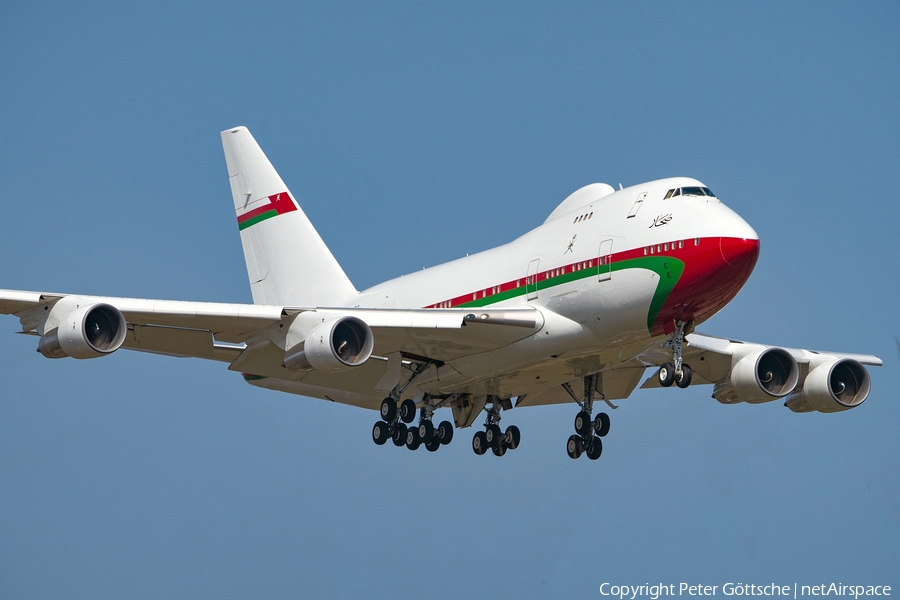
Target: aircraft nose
739,246
713,274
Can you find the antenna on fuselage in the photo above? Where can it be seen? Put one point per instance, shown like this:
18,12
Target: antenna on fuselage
620,186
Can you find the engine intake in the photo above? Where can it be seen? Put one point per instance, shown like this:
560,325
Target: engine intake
765,375
87,331
833,386
334,345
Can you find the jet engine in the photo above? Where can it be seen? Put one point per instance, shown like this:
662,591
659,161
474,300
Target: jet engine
762,376
82,331
334,345
833,386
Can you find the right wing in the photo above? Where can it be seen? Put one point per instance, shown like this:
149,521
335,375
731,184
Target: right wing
225,332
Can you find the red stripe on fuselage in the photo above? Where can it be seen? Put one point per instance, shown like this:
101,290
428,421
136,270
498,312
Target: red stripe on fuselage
715,269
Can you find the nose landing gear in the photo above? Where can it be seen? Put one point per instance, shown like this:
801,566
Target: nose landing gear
678,373
588,431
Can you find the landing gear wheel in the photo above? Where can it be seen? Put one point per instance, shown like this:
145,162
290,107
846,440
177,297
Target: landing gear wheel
412,438
433,445
583,423
594,448
493,436
574,447
686,375
407,411
666,374
479,443
426,432
513,437
601,424
388,409
499,449
399,435
380,433
445,432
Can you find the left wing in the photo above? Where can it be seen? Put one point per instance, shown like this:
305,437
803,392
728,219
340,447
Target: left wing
807,380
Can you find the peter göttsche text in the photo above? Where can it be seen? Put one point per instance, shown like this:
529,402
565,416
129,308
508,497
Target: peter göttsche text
795,591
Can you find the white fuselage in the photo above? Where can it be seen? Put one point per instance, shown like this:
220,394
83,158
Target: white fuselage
602,274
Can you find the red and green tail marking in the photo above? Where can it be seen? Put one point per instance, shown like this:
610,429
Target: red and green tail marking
278,204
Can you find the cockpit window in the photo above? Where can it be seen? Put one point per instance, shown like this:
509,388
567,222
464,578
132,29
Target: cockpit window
691,191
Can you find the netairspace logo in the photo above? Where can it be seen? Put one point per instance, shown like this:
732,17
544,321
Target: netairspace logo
656,591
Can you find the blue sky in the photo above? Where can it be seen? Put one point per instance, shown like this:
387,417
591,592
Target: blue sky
414,134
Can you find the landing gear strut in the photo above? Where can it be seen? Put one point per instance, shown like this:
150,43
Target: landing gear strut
426,433
679,373
492,437
588,431
395,416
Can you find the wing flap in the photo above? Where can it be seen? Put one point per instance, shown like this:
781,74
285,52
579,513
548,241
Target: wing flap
174,341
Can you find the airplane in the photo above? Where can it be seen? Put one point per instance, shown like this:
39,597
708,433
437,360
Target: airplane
612,283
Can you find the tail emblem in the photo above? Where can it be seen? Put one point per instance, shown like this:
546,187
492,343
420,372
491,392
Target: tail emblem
278,205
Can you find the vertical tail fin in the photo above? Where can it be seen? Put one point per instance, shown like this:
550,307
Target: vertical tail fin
287,261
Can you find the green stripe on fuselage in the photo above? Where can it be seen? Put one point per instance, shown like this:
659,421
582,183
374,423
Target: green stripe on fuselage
667,268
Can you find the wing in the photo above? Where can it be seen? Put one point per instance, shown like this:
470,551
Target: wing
226,332
748,372
806,380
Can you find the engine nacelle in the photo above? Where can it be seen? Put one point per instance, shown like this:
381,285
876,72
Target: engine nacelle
833,386
334,345
82,331
764,375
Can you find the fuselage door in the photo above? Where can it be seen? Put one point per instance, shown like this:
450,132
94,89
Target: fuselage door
637,204
531,290
604,259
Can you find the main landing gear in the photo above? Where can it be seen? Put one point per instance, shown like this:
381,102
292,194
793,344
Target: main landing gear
492,437
394,423
396,415
679,373
588,431
426,434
